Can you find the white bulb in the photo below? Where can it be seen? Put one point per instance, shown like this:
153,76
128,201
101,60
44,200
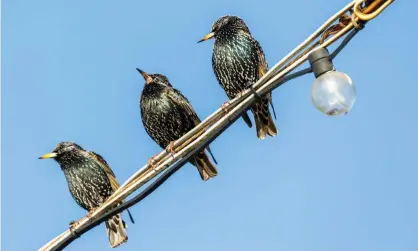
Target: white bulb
333,93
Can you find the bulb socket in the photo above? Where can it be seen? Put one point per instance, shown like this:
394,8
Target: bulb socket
320,62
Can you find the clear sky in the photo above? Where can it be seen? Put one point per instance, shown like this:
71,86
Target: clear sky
323,184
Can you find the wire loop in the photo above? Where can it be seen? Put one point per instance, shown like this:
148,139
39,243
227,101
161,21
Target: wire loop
373,5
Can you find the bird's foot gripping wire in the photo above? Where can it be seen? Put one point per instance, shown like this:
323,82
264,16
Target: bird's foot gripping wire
249,85
71,226
170,149
151,162
91,211
73,223
225,105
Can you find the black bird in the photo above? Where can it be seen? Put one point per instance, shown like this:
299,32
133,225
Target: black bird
167,115
238,62
91,182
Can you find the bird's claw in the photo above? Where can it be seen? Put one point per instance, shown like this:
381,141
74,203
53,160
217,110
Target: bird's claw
91,211
225,106
72,225
170,149
151,162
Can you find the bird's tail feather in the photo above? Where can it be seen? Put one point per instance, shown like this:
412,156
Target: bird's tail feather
247,119
205,167
116,231
263,120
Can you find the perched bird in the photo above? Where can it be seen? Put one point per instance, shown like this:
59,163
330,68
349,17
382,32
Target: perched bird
238,62
167,115
91,182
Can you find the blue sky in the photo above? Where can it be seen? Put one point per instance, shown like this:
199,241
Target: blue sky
346,183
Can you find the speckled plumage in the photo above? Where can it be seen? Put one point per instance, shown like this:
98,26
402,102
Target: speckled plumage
90,181
167,115
238,60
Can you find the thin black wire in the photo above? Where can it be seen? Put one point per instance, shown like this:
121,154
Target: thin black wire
173,169
346,40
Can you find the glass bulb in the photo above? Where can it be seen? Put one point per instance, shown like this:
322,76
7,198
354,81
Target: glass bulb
333,93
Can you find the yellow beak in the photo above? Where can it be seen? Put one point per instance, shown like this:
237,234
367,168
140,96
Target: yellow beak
48,155
207,37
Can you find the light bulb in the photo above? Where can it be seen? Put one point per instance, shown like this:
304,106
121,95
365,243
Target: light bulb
333,93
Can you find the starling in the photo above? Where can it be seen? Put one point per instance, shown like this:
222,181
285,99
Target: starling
167,115
238,62
91,182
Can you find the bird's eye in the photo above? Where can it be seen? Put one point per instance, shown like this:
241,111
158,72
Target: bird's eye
215,27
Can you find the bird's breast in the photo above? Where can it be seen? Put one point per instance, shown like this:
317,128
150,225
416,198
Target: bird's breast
164,120
234,62
88,184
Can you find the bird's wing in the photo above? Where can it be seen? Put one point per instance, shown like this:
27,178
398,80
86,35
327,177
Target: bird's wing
262,62
110,174
263,69
179,99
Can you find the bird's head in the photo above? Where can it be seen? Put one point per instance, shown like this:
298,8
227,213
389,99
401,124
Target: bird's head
64,150
226,25
154,78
